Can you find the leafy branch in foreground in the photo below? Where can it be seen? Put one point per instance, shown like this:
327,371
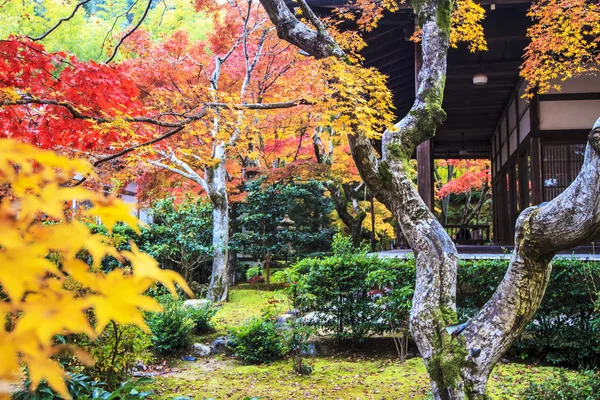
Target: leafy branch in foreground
54,292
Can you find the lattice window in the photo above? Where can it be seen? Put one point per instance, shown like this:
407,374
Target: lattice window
561,164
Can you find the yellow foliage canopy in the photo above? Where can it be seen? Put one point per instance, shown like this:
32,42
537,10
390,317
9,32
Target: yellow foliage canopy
35,300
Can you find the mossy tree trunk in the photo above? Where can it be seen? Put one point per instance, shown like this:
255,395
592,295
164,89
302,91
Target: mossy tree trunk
342,195
459,366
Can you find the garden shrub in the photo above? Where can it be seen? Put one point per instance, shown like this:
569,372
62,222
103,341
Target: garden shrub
83,387
583,386
115,351
360,295
563,330
170,328
201,317
260,340
344,289
78,385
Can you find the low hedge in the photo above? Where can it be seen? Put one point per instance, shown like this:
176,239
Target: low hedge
565,330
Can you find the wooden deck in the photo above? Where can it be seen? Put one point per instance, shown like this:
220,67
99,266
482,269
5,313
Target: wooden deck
496,252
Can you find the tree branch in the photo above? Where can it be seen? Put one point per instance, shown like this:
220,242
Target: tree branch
143,17
60,21
318,44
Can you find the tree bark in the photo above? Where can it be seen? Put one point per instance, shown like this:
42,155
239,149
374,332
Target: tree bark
459,365
216,180
571,219
353,222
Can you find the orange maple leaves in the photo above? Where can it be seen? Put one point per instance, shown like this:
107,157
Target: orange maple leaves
565,40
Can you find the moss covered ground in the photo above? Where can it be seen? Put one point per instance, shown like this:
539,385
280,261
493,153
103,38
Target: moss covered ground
368,372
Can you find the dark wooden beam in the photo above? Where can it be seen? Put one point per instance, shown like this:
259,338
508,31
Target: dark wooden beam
523,175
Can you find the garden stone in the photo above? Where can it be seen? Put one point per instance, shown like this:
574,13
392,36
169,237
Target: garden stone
285,318
196,303
219,346
201,350
310,350
139,366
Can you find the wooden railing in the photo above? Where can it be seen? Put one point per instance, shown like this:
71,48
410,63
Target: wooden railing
469,234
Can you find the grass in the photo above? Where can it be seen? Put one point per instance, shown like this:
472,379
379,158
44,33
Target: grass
349,376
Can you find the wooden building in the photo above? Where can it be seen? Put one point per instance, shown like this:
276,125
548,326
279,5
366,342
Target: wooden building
536,147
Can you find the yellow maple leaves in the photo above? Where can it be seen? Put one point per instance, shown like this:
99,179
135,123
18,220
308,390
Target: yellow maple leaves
37,299
465,26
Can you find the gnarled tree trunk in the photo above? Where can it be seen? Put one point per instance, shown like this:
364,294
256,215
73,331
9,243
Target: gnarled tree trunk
458,365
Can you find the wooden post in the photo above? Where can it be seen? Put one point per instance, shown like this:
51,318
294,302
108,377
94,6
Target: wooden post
536,170
523,182
425,172
535,147
512,199
503,216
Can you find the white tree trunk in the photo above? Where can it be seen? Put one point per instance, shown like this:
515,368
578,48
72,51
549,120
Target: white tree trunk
216,180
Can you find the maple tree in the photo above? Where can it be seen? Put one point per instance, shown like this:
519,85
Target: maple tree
56,291
565,43
246,63
464,177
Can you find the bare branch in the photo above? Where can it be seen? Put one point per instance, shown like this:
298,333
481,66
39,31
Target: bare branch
130,32
317,43
60,21
112,28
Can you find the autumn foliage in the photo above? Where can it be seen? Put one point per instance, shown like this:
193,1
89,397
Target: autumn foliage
40,85
469,175
47,289
565,42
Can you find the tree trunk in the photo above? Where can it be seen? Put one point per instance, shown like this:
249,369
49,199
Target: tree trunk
216,180
459,365
353,222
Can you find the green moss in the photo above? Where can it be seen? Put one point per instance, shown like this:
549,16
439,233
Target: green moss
333,378
396,151
444,10
385,174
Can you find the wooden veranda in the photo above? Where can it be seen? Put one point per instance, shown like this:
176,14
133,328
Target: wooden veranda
535,147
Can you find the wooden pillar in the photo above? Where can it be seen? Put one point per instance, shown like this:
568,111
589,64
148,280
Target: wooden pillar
425,149
425,172
523,182
512,201
503,210
496,212
535,150
536,170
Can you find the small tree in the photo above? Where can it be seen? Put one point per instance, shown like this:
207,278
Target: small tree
180,237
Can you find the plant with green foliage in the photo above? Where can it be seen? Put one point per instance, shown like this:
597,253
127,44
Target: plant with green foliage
180,237
562,331
115,351
263,211
341,289
171,327
260,340
299,334
583,386
79,386
83,387
201,317
393,294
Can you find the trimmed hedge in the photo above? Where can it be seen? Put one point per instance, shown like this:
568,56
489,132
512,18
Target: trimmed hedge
565,330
